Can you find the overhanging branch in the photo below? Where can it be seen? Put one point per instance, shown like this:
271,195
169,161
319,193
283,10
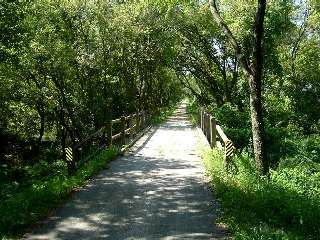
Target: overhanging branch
230,36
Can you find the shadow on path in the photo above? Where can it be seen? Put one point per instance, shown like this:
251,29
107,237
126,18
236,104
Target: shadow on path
156,191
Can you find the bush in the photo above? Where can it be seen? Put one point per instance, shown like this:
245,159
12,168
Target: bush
286,206
45,192
235,123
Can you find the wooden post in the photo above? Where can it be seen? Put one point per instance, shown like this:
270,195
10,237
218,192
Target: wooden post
69,154
228,154
142,120
202,120
109,132
200,117
213,140
208,129
206,125
203,123
71,157
131,123
137,122
123,130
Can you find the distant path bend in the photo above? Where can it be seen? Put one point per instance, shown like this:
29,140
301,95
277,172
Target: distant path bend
157,190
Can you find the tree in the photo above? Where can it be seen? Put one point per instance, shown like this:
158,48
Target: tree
253,69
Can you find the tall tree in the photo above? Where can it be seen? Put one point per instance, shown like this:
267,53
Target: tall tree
253,70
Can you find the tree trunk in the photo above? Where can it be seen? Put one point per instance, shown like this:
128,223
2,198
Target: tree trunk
253,74
257,126
255,84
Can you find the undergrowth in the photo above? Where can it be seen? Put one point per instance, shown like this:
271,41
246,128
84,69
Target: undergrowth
48,185
284,206
45,185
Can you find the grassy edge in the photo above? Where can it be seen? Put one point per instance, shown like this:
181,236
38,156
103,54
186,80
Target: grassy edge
259,208
284,206
36,202
22,212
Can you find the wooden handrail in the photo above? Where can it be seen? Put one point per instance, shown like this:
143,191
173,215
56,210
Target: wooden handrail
116,121
210,129
126,120
131,125
79,144
114,137
222,135
128,117
127,131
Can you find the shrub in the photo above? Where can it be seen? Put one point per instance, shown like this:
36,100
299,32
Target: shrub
45,192
286,206
235,123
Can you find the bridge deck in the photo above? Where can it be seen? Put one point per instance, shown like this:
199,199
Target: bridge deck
156,191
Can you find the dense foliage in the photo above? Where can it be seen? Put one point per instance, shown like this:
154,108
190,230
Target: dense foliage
291,76
68,67
44,188
286,206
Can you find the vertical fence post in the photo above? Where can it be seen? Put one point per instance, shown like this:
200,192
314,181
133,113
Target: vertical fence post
228,154
142,120
70,154
206,125
201,118
131,124
108,132
213,139
199,113
71,158
208,129
137,122
202,122
123,130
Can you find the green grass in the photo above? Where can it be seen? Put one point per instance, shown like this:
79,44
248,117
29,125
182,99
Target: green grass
49,186
286,206
44,186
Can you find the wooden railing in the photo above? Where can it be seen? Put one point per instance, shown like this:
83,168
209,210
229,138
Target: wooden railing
128,127
215,135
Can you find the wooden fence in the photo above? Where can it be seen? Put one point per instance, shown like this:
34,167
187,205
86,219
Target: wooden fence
128,128
215,135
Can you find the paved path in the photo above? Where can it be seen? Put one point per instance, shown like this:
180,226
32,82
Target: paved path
156,191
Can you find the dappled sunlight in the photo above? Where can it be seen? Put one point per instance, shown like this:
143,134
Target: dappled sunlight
155,191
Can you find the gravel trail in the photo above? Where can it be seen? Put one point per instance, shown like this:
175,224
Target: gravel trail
157,190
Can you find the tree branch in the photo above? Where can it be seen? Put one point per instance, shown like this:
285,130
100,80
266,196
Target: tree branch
232,39
257,51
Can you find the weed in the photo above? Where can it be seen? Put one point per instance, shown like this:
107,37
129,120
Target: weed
285,206
45,191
